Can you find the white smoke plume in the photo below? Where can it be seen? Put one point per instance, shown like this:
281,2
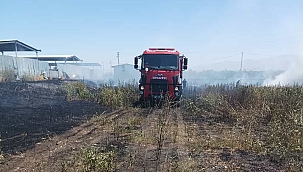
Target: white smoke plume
294,74
291,28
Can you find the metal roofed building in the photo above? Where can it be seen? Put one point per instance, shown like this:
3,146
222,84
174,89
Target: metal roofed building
88,64
125,73
65,69
55,58
19,67
15,46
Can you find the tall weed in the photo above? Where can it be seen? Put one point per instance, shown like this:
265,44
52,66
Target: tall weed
7,75
77,91
122,96
272,117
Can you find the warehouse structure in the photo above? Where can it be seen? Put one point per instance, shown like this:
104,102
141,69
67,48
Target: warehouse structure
61,70
15,46
37,65
125,73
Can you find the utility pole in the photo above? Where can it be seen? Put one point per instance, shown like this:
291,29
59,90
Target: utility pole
110,66
241,62
118,55
103,67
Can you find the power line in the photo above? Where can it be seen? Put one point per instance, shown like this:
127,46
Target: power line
212,59
193,52
226,56
252,54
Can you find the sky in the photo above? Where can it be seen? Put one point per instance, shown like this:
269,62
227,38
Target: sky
206,31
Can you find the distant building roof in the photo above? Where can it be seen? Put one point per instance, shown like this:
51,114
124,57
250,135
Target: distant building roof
55,58
126,64
15,45
85,64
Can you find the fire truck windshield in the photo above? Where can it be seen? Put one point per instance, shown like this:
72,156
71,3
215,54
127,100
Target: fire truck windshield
160,61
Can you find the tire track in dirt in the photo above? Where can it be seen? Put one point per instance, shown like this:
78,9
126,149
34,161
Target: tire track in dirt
165,141
181,139
142,152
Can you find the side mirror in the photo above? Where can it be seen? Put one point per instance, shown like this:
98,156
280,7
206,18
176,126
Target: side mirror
136,63
185,61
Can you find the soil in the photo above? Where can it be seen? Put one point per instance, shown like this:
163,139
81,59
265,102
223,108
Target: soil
31,112
42,131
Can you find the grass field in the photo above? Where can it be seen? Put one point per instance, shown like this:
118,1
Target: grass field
218,128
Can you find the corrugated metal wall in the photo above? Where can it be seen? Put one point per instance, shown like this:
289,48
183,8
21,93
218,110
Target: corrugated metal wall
23,66
32,67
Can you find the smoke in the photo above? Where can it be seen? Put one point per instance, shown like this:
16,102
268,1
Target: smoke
294,74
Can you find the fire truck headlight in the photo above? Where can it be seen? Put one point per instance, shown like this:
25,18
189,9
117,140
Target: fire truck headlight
142,88
176,88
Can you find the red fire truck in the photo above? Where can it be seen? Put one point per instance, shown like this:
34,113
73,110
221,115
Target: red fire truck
161,74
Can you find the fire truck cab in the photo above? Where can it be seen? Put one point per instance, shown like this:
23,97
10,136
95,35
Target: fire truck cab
161,74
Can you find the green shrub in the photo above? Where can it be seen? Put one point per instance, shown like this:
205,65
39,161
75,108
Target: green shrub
115,97
77,91
108,96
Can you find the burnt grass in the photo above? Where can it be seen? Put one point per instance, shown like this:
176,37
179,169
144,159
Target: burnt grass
34,111
207,134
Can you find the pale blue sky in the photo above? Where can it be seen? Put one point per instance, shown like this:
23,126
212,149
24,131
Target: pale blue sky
203,30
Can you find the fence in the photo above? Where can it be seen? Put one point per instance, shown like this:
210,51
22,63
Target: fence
22,66
31,67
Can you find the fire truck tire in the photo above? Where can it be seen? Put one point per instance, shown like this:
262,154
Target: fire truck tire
145,103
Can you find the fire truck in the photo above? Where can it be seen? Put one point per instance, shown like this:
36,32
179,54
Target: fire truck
161,75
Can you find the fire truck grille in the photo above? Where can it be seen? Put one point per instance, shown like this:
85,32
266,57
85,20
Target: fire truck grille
158,86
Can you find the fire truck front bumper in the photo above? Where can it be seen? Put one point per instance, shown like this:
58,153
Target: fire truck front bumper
159,97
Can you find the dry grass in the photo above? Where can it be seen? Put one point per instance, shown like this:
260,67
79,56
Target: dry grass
94,159
266,120
257,120
28,77
108,96
7,75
